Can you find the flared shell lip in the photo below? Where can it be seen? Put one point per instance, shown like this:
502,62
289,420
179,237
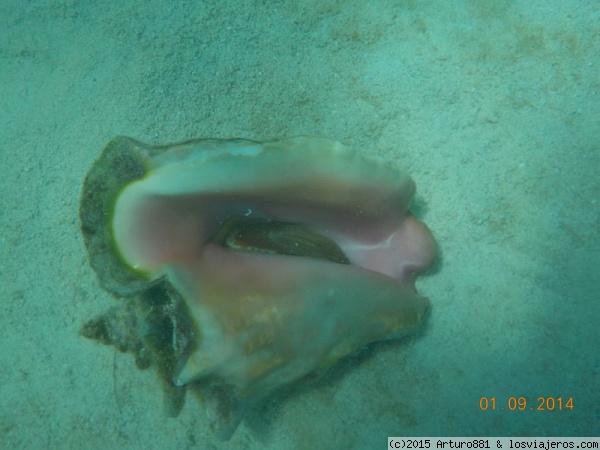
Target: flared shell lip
302,179
143,161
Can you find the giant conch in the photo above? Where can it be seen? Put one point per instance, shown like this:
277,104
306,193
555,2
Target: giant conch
244,266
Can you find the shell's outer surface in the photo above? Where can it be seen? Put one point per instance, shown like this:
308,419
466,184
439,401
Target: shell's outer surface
248,264
267,320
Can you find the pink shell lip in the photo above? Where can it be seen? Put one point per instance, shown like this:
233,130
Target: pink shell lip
330,189
170,230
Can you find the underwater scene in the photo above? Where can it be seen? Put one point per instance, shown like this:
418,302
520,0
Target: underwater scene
298,224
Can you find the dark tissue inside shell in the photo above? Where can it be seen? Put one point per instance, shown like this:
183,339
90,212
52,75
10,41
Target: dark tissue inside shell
276,237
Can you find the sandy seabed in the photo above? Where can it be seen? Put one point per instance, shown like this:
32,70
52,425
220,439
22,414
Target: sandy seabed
493,107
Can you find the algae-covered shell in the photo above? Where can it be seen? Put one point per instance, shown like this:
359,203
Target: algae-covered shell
269,259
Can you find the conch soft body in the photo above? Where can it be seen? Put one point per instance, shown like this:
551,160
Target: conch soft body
249,264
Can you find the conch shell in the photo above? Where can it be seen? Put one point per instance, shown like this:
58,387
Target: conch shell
248,265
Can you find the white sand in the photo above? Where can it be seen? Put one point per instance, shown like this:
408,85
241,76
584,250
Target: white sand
492,106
